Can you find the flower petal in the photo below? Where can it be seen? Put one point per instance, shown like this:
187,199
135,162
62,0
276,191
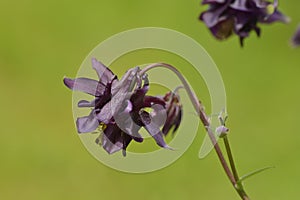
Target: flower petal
174,113
240,5
170,120
114,139
105,114
121,92
111,139
158,115
126,123
150,101
86,85
153,130
277,16
177,120
87,124
296,38
85,103
214,14
104,73
127,82
212,1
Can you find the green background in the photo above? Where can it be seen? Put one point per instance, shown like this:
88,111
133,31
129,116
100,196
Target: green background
41,156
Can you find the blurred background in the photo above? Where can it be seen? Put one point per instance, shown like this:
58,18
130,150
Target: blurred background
41,154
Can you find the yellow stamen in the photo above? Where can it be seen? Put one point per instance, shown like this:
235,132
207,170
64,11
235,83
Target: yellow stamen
270,9
102,126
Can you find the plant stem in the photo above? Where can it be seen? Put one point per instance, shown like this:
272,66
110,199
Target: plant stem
190,93
230,158
232,175
239,186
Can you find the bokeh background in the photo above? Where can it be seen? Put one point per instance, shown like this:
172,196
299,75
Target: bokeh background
43,158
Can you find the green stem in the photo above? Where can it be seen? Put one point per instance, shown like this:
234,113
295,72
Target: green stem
230,158
232,175
239,185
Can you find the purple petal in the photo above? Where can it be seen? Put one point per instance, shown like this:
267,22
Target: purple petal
126,123
105,114
110,147
86,85
138,139
150,100
114,139
121,92
211,18
240,5
111,140
170,120
118,107
105,97
296,38
174,113
85,103
105,74
132,130
212,1
125,84
276,16
87,124
158,115
214,15
128,107
153,130
178,119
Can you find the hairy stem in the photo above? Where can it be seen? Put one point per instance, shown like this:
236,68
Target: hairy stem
204,119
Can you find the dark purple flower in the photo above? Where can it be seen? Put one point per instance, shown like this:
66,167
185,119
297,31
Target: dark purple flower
119,108
174,112
225,17
296,38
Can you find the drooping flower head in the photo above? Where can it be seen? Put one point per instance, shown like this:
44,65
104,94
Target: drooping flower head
225,17
296,38
174,112
119,108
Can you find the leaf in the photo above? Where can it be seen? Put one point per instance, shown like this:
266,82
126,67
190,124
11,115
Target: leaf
254,173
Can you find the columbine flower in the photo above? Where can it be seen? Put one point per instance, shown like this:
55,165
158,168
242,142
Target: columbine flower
119,108
296,38
174,112
225,17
